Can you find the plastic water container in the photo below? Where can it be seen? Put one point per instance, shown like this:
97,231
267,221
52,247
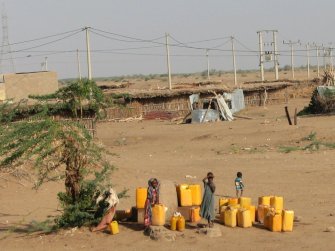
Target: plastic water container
260,212
288,217
195,214
141,197
185,195
269,212
245,202
275,222
181,223
173,222
232,201
277,203
264,200
114,227
230,217
221,219
222,202
196,194
243,218
252,210
158,215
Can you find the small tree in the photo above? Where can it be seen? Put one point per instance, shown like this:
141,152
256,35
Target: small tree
75,96
51,145
55,145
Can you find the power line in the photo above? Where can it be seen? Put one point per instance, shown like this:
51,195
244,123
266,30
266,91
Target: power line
244,46
128,37
130,48
207,40
45,37
51,42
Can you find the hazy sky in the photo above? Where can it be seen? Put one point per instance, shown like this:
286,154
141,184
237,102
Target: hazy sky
186,20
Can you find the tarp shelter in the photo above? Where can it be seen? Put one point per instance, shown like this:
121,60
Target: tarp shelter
237,101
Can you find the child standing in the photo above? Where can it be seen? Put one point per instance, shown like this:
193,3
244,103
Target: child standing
239,185
207,205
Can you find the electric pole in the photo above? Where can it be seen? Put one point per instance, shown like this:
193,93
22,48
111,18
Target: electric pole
324,58
261,54
292,54
88,50
268,55
331,59
78,63
208,77
307,51
317,57
168,59
46,63
234,59
275,54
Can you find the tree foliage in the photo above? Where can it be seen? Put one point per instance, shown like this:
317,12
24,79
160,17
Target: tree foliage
51,144
75,97
59,149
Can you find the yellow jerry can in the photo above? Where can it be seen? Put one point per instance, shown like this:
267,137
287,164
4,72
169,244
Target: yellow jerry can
173,222
181,223
275,222
288,217
185,195
261,213
141,197
232,201
244,202
222,202
158,215
264,200
114,227
243,218
196,194
252,210
230,217
195,214
277,203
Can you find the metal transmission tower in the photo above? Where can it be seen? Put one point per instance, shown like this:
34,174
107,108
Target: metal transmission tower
268,51
6,58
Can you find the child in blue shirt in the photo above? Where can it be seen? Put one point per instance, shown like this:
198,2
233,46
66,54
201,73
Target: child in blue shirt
239,185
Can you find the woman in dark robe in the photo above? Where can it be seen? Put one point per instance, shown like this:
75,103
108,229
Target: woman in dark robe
207,205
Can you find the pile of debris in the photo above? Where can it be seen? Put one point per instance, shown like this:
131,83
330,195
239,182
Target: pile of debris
218,107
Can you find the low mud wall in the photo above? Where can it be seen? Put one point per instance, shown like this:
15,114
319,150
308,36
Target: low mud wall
155,107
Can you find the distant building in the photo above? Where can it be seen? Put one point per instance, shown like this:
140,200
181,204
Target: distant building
17,86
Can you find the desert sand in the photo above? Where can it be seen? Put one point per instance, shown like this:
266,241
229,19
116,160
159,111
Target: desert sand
171,151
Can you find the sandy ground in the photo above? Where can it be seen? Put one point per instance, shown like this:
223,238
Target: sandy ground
170,151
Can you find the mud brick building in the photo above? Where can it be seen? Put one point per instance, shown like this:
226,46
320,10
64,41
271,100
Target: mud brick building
19,86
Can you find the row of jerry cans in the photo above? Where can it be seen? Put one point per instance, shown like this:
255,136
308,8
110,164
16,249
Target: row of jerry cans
189,195
277,222
276,202
232,216
240,212
177,223
242,202
237,212
178,220
272,214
